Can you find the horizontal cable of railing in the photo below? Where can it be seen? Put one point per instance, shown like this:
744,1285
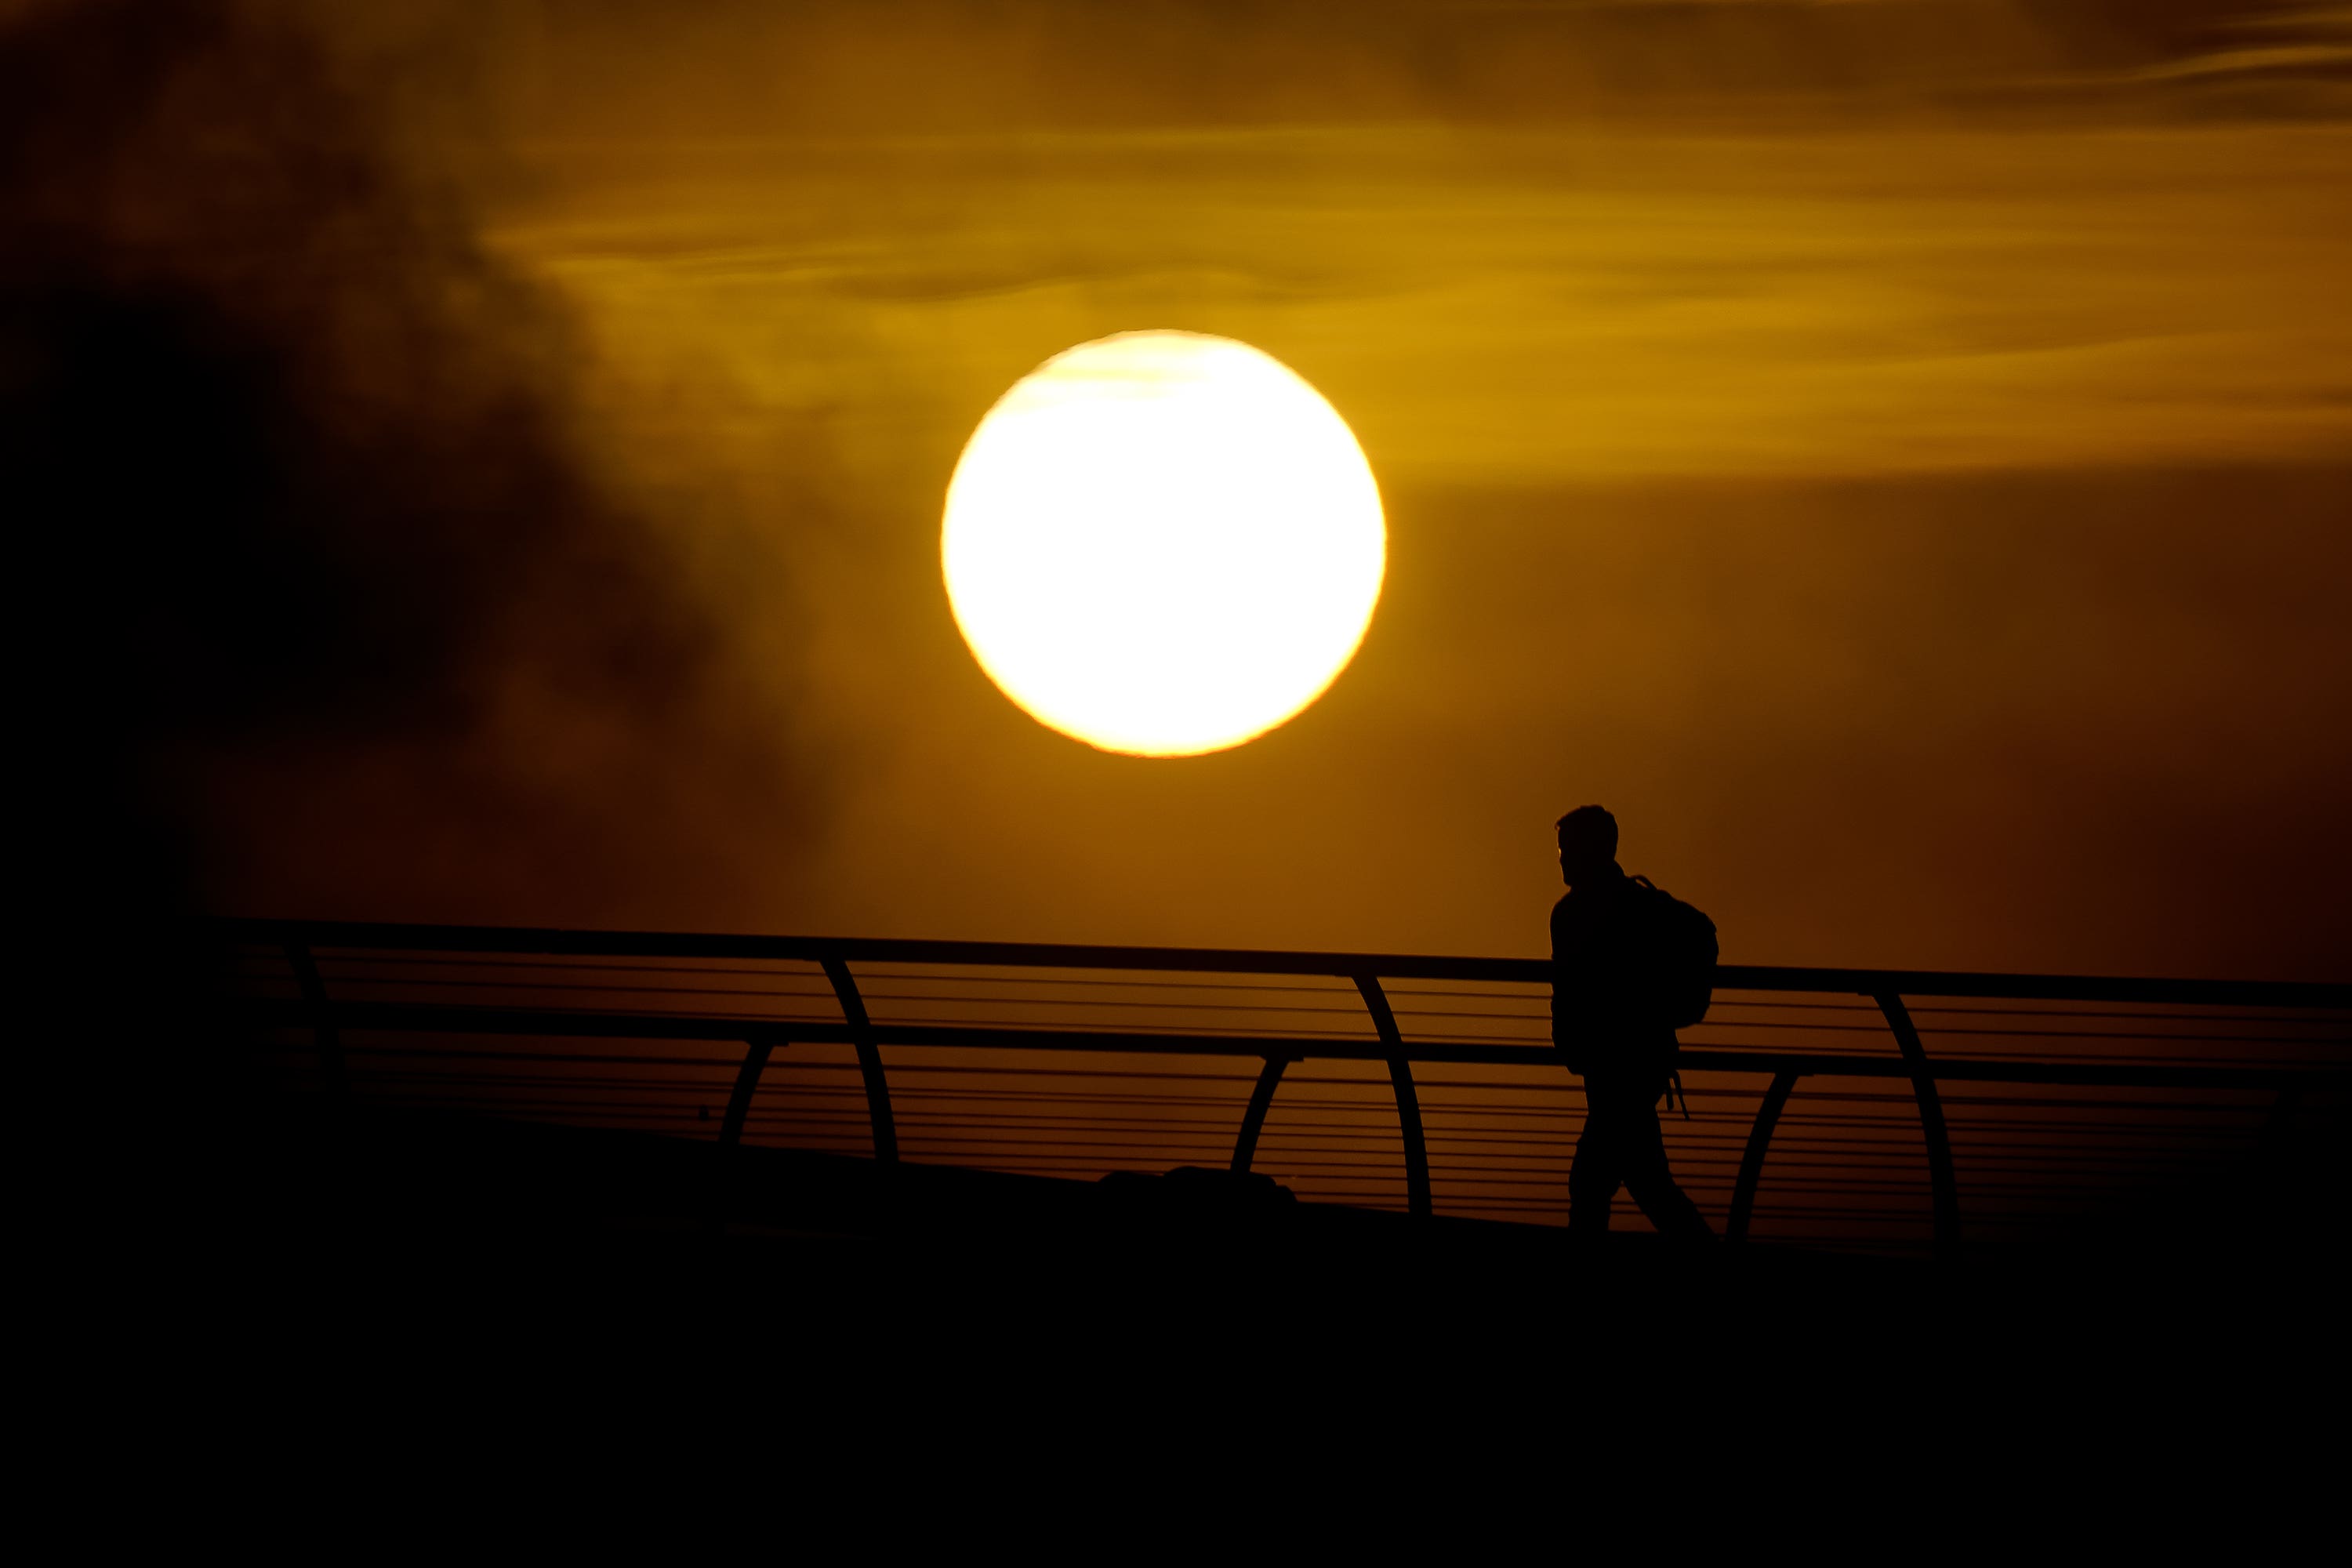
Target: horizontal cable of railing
1254,961
443,1019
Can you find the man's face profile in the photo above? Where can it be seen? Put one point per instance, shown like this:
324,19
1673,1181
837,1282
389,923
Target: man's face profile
1581,855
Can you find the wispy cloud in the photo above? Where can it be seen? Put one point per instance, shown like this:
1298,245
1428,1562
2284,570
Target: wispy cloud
1540,303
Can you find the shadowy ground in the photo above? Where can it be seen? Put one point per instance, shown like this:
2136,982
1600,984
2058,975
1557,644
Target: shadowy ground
370,1228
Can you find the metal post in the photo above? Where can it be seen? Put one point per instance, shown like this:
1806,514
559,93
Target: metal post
1945,1190
1253,1119
1408,1102
1751,1163
869,1061
747,1083
329,1040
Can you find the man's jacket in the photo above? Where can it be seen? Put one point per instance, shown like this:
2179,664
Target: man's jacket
1608,980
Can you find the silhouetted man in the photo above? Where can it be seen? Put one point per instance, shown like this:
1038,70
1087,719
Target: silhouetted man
1612,1012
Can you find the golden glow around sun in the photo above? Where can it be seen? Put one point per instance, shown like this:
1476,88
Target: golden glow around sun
1163,543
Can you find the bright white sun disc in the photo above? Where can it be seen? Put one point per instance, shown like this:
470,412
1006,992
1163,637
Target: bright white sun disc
1163,543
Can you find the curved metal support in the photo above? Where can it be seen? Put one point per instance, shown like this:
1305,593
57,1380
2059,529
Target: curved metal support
1408,1102
1940,1182
747,1084
869,1061
330,1040
1751,1163
1253,1119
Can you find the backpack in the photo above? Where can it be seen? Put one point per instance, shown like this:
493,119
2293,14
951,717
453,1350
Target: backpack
1686,948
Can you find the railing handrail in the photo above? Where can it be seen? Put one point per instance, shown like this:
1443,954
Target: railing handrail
566,942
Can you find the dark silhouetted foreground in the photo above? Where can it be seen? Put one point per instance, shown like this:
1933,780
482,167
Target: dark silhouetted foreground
883,1165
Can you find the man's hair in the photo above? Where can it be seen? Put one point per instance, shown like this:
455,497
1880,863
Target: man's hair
1590,823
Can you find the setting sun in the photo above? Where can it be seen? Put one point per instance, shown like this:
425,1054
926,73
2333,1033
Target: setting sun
1163,543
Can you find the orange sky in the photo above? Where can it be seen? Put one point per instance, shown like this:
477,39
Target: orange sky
1897,455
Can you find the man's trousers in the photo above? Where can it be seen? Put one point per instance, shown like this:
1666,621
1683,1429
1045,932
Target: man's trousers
1623,1145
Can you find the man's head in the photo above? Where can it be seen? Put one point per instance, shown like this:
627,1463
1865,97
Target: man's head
1587,845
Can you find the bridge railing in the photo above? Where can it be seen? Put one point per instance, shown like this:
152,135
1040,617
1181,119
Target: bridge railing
1864,1108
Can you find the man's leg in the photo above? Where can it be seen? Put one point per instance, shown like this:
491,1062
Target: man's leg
1598,1170
1643,1159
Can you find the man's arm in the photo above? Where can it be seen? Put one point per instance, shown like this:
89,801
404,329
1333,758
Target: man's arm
1566,1030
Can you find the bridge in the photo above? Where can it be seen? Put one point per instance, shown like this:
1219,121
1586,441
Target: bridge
1902,1111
